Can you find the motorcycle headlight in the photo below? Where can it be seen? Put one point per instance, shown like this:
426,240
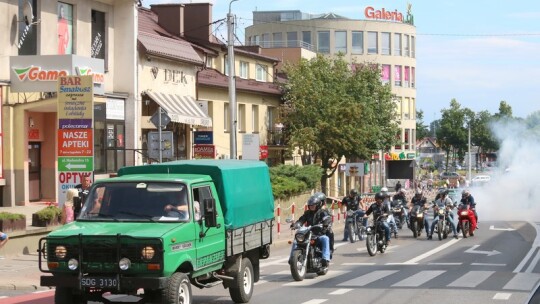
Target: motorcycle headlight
300,238
420,215
60,252
441,212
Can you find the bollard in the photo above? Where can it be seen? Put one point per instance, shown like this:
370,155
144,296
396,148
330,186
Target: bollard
278,219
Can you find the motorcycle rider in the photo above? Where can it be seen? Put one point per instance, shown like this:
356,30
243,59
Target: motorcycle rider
313,216
420,200
400,195
353,202
379,209
442,202
468,199
329,232
391,221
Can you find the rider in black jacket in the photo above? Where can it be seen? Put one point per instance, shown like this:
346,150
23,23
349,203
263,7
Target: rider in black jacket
420,200
378,209
352,202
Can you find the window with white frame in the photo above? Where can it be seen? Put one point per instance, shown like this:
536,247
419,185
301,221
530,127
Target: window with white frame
385,47
397,44
397,75
226,65
244,70
406,46
373,43
226,117
323,42
209,62
357,42
241,118
261,72
413,46
340,42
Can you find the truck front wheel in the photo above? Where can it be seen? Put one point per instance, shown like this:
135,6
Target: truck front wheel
178,289
242,288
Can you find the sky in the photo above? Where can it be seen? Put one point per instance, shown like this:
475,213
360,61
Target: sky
478,52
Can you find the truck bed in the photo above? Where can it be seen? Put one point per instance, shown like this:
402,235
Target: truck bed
249,237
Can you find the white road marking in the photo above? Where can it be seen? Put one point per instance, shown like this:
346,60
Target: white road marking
445,264
534,246
419,278
315,301
358,264
523,281
500,229
368,278
274,262
431,252
487,264
471,279
488,253
317,279
532,265
340,291
502,296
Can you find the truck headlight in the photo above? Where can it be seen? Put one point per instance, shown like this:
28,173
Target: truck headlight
148,252
60,252
73,264
124,264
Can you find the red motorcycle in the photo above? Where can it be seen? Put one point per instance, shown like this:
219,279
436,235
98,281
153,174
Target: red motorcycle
467,221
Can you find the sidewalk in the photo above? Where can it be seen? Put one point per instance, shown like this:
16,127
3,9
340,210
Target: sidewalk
21,271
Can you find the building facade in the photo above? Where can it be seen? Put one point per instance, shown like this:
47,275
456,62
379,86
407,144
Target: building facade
48,39
386,38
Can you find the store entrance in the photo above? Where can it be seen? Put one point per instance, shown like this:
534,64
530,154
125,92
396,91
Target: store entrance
34,170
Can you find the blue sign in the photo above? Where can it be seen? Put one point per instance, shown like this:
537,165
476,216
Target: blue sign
203,137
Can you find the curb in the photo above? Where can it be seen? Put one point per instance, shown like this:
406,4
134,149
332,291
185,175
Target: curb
23,287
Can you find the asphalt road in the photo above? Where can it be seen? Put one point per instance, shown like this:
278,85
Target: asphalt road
500,264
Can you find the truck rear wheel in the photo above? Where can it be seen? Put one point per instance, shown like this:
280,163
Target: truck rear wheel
178,289
242,287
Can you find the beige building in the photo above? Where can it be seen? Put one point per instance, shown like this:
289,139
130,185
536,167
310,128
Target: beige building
47,39
387,40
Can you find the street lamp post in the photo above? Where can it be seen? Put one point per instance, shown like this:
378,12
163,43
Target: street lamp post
470,157
232,84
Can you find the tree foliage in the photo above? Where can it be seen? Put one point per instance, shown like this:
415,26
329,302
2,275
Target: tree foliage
332,111
452,133
289,180
421,129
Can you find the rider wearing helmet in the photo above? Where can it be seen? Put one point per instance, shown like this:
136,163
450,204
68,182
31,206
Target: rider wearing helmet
353,202
329,232
391,221
442,202
420,200
378,209
316,215
468,199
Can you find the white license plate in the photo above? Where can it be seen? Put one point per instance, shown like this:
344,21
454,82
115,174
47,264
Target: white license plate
99,282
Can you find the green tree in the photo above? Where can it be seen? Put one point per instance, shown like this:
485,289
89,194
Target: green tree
332,112
452,133
481,133
421,129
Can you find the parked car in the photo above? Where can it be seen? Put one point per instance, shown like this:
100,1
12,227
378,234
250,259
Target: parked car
445,175
480,180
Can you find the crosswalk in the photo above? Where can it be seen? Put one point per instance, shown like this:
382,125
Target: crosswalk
410,278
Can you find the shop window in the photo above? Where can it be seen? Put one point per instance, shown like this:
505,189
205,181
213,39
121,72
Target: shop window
27,42
65,28
357,42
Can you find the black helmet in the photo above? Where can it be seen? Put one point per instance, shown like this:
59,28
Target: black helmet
314,201
353,192
379,195
443,192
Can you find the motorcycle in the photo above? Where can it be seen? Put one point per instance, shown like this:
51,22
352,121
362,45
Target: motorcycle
307,256
376,238
355,227
443,227
399,214
464,224
416,217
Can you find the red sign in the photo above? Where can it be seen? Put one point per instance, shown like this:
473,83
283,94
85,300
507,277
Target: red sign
204,151
383,14
263,152
33,134
75,142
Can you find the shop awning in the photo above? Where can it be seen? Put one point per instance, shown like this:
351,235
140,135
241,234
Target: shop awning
182,109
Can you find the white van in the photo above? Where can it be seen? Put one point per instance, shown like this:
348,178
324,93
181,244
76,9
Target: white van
480,180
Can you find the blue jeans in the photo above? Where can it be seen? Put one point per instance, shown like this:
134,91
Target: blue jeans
357,213
450,220
322,241
386,229
392,222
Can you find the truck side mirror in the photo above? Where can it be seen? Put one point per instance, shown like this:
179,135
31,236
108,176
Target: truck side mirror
210,214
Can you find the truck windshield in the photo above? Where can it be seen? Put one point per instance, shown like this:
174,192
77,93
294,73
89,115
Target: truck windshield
144,201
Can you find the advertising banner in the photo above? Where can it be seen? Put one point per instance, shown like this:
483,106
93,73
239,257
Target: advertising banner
354,169
204,151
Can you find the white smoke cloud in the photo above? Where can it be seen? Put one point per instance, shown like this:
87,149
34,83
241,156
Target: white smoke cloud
514,190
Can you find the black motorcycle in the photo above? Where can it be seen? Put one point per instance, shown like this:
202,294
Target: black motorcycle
355,227
399,213
376,237
416,218
307,256
443,227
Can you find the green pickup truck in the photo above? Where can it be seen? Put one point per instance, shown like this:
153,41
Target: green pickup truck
155,230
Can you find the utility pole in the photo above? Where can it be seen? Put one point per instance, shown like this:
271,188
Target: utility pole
470,157
232,82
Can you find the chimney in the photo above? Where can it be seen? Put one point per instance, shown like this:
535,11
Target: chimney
197,22
170,17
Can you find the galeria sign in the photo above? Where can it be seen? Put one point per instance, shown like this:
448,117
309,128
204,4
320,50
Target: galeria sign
382,14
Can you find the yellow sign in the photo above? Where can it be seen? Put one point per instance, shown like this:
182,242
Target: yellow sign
75,95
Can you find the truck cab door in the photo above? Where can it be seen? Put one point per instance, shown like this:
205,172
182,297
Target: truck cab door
210,241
